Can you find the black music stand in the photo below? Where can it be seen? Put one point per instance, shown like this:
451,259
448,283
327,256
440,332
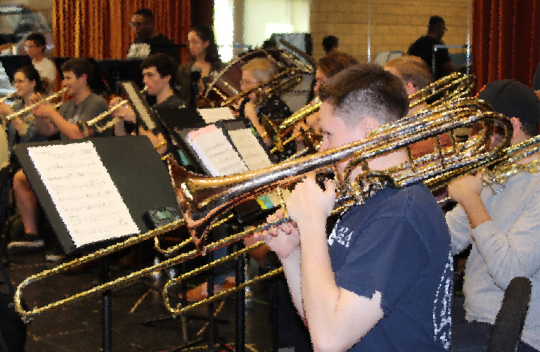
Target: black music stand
141,179
12,63
115,71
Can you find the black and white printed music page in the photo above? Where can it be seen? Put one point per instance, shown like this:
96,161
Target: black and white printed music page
83,192
214,115
215,151
249,148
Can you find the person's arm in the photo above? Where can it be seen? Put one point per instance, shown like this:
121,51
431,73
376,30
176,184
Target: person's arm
44,126
251,114
507,254
336,317
66,128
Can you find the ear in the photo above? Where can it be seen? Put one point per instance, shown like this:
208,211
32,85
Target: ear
516,124
410,88
367,125
84,77
206,44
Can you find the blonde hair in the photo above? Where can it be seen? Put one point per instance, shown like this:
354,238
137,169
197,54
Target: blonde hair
262,69
411,69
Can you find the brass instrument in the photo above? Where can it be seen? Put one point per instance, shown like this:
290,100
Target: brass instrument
94,123
201,213
35,105
508,164
8,96
455,85
282,82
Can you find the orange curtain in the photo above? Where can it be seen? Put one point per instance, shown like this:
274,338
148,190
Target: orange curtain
506,40
100,28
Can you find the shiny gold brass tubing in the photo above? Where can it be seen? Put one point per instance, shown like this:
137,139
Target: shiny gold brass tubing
112,285
35,105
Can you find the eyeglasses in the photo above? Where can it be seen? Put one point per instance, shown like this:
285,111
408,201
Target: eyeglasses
19,80
137,24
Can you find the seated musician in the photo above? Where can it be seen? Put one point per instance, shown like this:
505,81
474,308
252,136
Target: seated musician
254,73
22,129
501,222
327,67
381,281
415,75
159,74
83,106
36,44
196,74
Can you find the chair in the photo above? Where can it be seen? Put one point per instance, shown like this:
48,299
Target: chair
511,317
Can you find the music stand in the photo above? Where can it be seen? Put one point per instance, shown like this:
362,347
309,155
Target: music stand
115,71
12,63
140,177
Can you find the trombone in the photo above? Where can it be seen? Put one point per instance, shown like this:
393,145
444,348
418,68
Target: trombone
448,88
435,170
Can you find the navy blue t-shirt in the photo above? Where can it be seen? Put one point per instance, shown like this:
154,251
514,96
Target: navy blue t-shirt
398,243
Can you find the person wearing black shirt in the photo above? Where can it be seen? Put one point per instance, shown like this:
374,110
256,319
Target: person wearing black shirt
195,75
149,41
382,281
159,72
423,48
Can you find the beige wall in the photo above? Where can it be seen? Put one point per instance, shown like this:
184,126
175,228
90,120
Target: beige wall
394,24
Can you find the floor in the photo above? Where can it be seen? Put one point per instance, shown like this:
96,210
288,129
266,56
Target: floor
78,327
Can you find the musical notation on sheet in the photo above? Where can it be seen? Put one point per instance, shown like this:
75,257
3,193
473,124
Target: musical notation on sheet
215,114
215,151
83,192
249,148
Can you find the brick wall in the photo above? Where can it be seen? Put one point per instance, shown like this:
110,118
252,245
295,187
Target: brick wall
394,24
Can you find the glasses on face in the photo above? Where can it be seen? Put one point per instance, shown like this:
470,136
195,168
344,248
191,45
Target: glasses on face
137,24
19,80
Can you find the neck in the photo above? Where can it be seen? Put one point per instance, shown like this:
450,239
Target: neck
200,59
85,92
39,57
416,109
27,99
164,94
383,162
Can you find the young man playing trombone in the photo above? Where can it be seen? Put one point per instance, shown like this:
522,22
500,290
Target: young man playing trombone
501,222
83,107
382,281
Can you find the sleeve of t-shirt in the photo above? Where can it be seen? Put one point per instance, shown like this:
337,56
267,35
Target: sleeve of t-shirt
93,109
388,257
50,71
458,223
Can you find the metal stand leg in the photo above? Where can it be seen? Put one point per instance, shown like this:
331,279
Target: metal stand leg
240,304
211,307
106,308
274,313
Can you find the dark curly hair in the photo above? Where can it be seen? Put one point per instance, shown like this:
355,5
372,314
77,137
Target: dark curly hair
207,35
32,74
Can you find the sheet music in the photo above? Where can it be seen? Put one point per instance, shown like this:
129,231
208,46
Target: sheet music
249,148
215,151
83,192
216,114
139,105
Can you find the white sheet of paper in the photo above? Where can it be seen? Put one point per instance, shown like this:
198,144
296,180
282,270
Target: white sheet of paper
249,148
83,192
215,114
216,152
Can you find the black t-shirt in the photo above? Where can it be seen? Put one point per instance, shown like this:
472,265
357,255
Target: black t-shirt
142,48
398,244
423,48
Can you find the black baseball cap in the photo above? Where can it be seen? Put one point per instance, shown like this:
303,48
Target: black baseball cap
513,99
